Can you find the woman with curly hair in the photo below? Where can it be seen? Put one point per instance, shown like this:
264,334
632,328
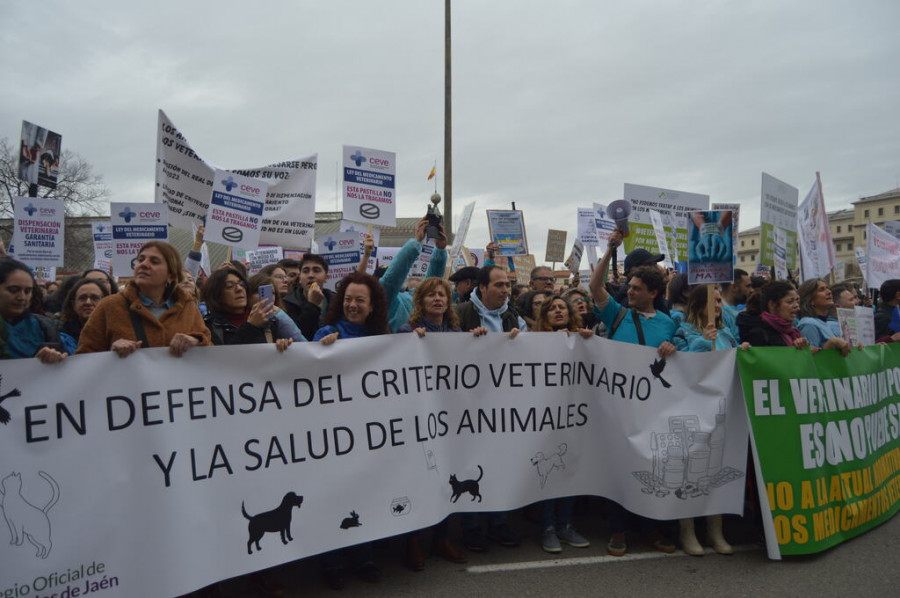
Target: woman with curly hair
359,309
80,303
558,315
432,311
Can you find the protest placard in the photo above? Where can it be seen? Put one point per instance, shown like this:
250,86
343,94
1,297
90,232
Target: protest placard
184,181
39,229
573,262
341,251
507,230
370,185
587,227
462,230
556,246
882,260
661,243
778,210
39,157
815,244
235,210
643,199
103,246
710,247
132,226
259,258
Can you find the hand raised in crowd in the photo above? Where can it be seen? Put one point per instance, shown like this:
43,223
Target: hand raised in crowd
50,355
368,245
491,250
329,339
441,241
283,343
710,333
615,239
124,347
260,313
419,233
315,295
181,343
665,349
198,237
479,331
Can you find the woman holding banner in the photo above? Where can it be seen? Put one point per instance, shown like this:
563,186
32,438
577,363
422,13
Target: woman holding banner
432,312
558,315
152,311
25,334
768,320
697,334
358,309
80,303
816,303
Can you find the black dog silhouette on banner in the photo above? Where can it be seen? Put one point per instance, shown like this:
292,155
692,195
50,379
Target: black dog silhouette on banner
277,520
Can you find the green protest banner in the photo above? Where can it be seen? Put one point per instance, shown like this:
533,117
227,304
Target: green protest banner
826,432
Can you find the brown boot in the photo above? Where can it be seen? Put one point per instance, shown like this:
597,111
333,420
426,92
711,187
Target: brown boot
415,560
448,551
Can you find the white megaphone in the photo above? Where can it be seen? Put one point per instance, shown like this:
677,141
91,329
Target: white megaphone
619,211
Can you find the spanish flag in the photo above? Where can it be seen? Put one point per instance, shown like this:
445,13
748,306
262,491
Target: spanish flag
431,175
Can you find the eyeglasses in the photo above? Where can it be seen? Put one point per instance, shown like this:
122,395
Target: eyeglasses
279,276
543,278
230,286
579,300
86,298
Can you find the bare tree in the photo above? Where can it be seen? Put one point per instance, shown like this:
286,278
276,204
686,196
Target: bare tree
83,191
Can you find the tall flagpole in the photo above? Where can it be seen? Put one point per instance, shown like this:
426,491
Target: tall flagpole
448,136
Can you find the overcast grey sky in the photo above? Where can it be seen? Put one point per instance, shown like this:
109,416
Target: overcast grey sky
556,105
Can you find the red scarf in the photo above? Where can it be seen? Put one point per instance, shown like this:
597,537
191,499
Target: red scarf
784,328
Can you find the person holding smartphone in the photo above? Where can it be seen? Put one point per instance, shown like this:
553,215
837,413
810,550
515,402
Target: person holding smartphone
25,334
231,318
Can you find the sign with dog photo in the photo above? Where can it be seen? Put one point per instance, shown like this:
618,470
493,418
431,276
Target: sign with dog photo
134,478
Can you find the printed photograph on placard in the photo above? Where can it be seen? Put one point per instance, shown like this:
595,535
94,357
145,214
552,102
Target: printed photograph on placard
507,229
39,155
710,247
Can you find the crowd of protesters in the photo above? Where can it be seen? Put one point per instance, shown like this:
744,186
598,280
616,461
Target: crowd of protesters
165,303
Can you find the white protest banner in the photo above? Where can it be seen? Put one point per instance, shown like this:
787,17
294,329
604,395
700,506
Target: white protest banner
643,199
39,157
462,230
44,273
605,226
103,246
235,210
865,324
710,249
341,251
660,231
556,246
39,228
184,181
386,255
815,244
185,454
779,253
587,227
862,260
573,262
370,186
507,230
361,231
735,209
883,256
420,266
671,229
892,227
131,228
258,258
778,209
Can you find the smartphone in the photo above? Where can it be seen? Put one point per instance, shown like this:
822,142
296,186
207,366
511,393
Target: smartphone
265,291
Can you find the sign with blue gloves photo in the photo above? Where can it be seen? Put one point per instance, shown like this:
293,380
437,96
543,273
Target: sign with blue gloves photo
710,247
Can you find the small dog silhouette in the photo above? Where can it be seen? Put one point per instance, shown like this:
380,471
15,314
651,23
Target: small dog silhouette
545,465
276,520
351,521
